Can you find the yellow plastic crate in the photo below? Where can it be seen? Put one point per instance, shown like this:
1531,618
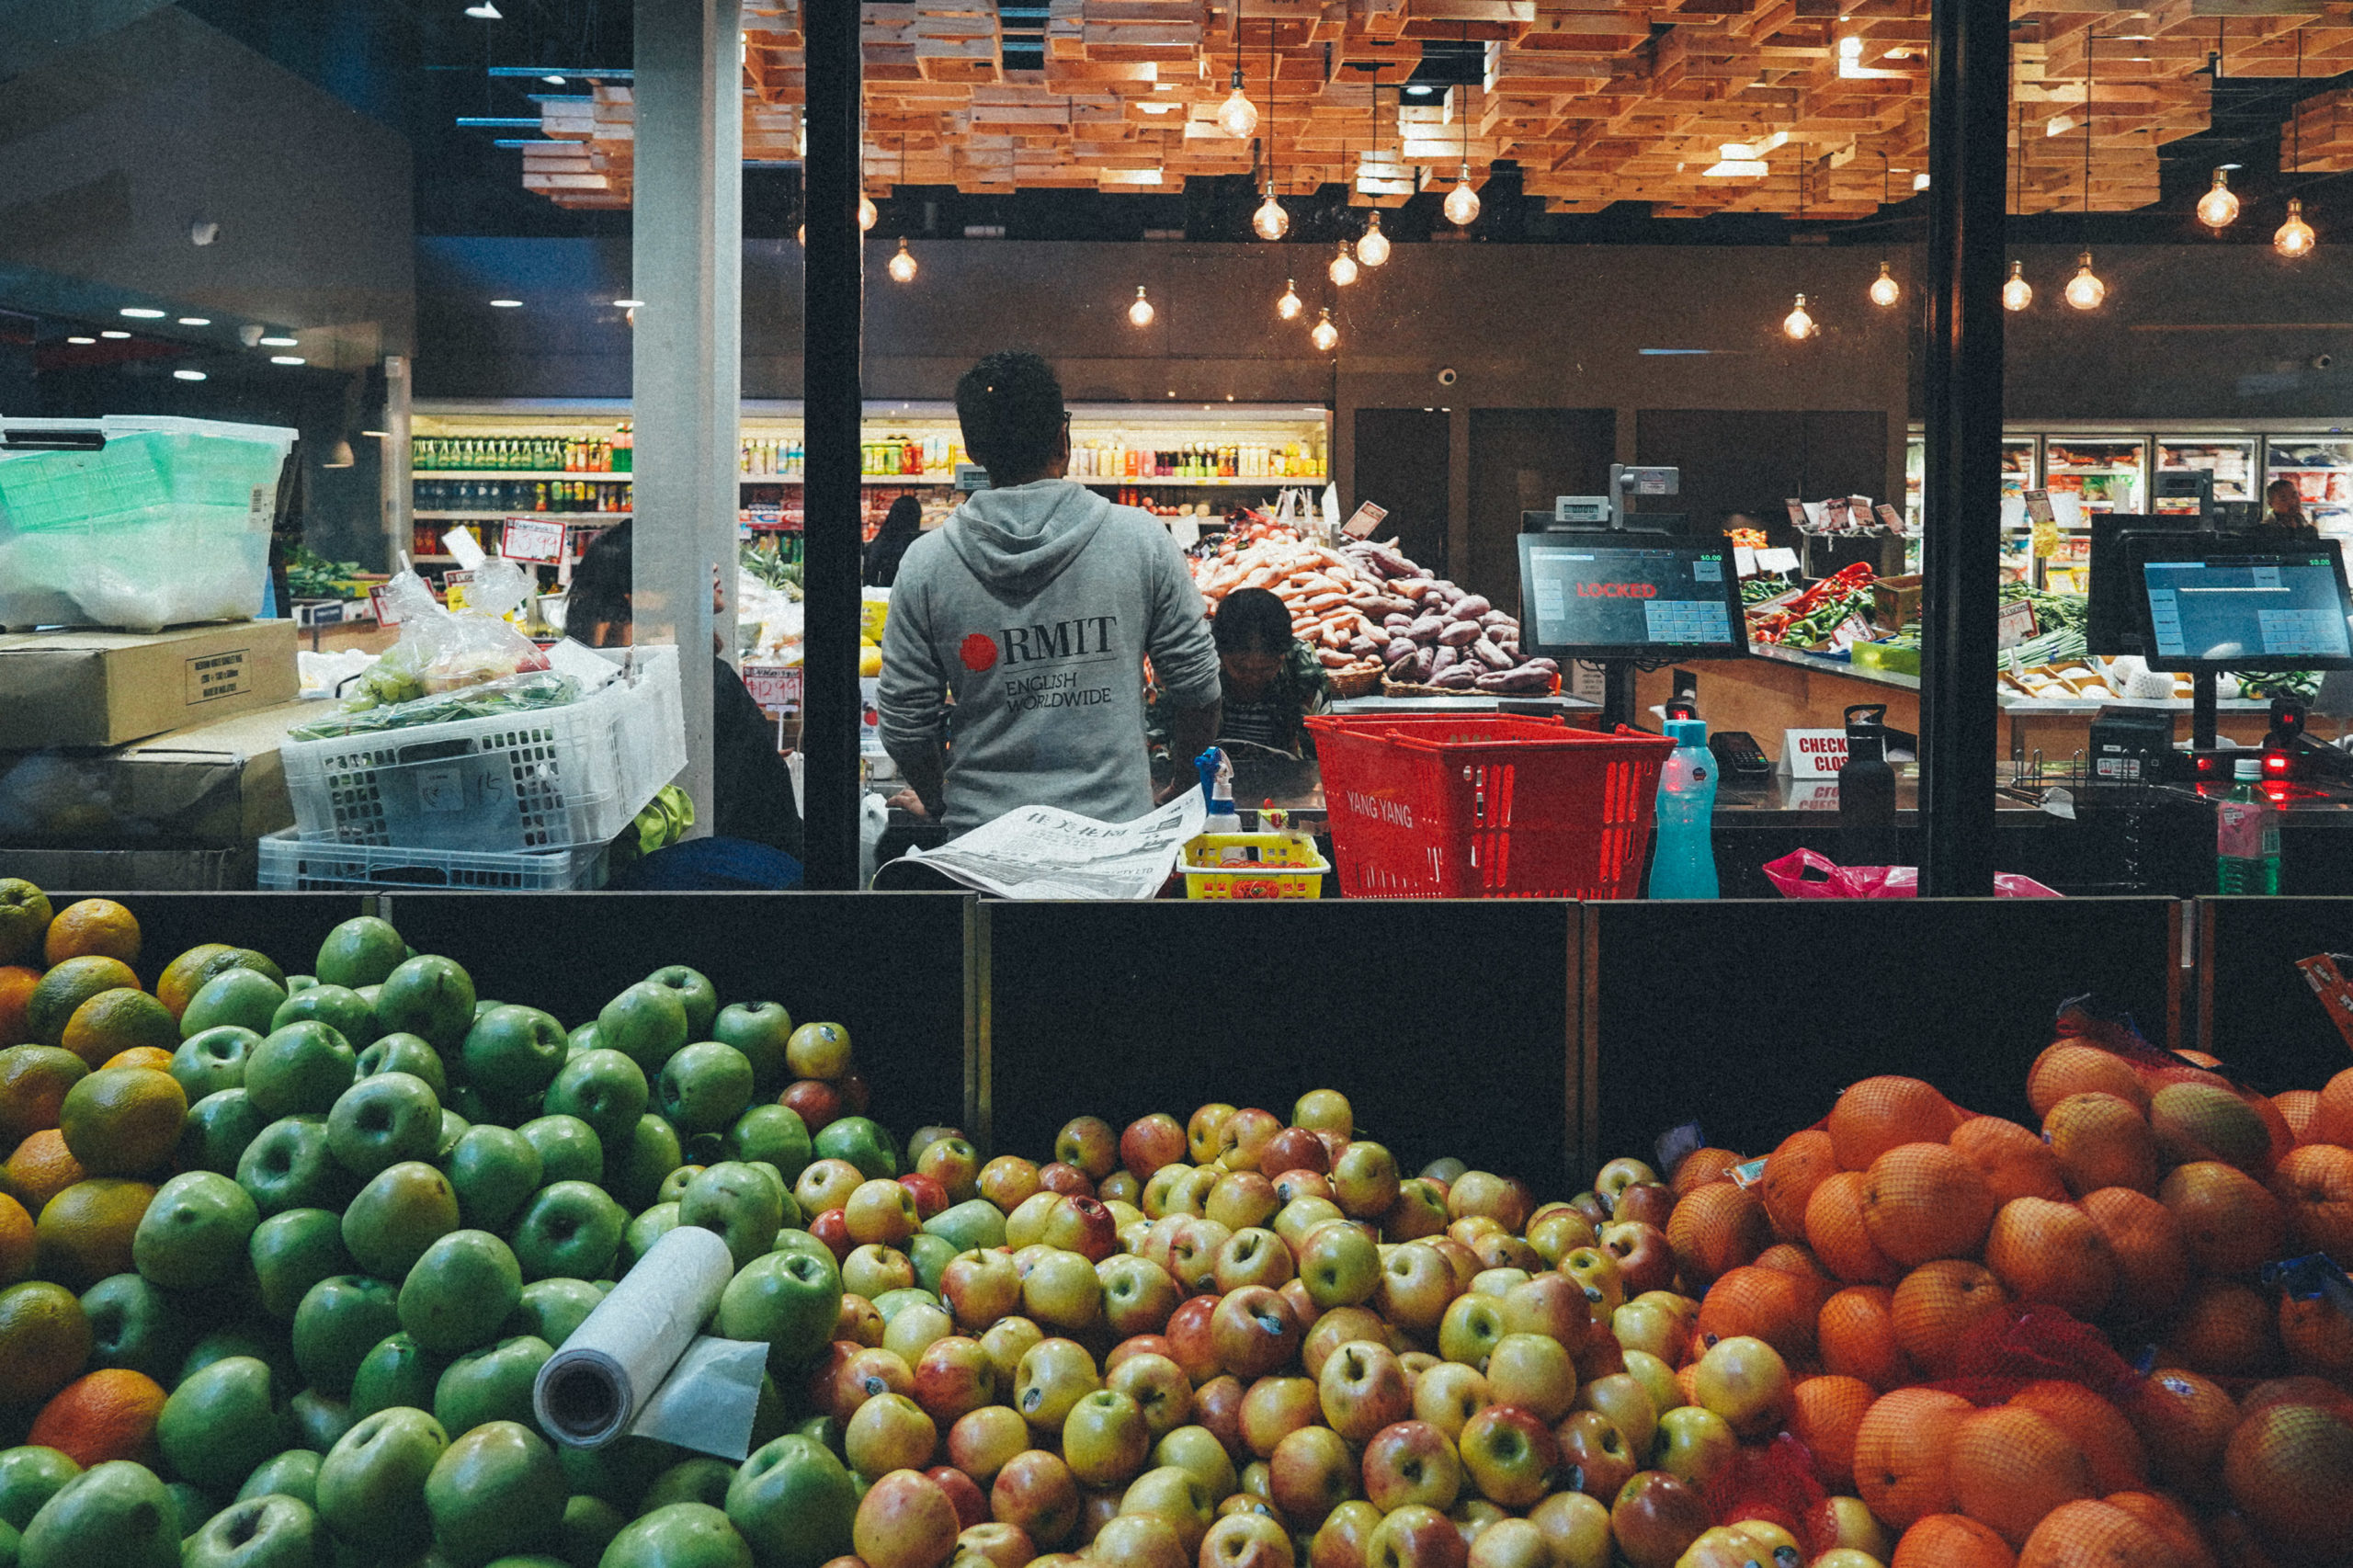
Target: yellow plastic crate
1280,865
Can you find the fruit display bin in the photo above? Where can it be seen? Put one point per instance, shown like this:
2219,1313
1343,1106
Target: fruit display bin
1487,806
543,779
293,864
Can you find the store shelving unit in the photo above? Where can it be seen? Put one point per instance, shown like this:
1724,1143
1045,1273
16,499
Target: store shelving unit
2322,470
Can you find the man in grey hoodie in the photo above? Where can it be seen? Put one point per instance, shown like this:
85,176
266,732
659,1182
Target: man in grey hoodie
1021,627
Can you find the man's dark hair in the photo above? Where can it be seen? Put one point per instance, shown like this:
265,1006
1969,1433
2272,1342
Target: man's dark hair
1252,620
600,585
1011,410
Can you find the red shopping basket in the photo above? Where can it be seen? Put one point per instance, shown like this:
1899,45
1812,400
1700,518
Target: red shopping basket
1487,806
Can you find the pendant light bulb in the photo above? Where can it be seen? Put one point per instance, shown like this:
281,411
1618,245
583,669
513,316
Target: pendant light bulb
1797,323
1884,289
1237,117
1374,249
1270,221
2219,208
866,213
1462,202
1325,336
1140,312
903,266
1290,305
1343,270
800,236
2018,293
2295,237
2084,290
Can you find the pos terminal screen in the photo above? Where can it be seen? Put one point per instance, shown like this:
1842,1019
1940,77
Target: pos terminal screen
1617,599
2247,610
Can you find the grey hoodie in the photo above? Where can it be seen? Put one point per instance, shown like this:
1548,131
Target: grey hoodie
1033,608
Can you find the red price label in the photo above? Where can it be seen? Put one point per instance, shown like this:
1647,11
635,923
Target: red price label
532,539
381,606
776,688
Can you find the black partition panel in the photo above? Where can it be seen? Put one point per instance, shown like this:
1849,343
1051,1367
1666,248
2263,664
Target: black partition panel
890,967
1446,1024
1751,1017
287,927
2254,1008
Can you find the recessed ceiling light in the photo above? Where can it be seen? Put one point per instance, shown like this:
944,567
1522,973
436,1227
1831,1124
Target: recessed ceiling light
187,375
195,320
140,313
2226,166
81,340
1418,90
626,304
485,12
276,341
553,81
114,334
508,304
288,359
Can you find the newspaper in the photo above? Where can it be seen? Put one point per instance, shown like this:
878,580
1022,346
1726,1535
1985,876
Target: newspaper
1044,852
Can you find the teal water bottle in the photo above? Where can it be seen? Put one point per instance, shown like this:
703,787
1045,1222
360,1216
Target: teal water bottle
1684,863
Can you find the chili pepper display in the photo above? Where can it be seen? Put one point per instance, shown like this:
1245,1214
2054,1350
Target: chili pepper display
1810,618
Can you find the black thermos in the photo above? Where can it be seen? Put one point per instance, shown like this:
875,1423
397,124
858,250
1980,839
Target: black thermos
1867,790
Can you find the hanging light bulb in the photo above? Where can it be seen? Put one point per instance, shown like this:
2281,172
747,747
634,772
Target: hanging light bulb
2084,290
2018,293
1374,249
1289,306
1462,202
866,213
800,236
1884,290
2219,206
1237,116
1797,323
1343,269
1270,221
903,266
1140,313
1325,336
2295,237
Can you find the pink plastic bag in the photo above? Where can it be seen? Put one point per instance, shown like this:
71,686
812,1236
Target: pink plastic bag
1802,873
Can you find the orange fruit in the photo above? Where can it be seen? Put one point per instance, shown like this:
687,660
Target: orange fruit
2333,1116
33,1081
2196,1120
2169,1519
2151,1260
16,1247
2092,1534
2314,1183
1701,1166
119,1020
65,987
1792,1173
1923,1201
2042,1251
17,982
1792,1259
106,1415
2224,1330
2231,1224
1953,1541
84,1233
184,975
2118,1461
1763,1304
2079,1067
1856,1334
1825,1414
2015,1162
44,1339
2289,1470
1936,1303
1904,1452
2101,1141
2317,1337
1880,1113
154,1058
124,1120
1836,1231
40,1169
2013,1466
95,927
2184,1418
2297,1107
1714,1228
24,916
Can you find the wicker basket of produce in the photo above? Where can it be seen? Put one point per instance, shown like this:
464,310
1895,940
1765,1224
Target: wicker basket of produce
1355,680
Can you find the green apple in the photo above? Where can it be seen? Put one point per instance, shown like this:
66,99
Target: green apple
29,1476
492,1384
294,1474
269,1532
977,1225
589,1526
291,1251
299,1070
496,1490
222,1422
569,1228
674,1186
603,1088
265,1342
774,1133
635,1168
682,1535
758,1029
645,1023
240,997
551,1309
620,1471
117,1514
790,1301
645,1230
569,1148
218,1129
289,1166
406,1054
397,1215
793,1502
340,1319
492,1170
692,1480
339,1007
458,1294
362,951
427,995
315,1420
705,1086
396,1370
214,1059
191,1506
194,1231
514,1050
739,1202
859,1141
931,1255
135,1326
471,1104
818,1050
382,1120
582,1037
699,997
371,1485
453,1127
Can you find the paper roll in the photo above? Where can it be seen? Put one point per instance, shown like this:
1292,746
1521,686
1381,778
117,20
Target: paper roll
591,1390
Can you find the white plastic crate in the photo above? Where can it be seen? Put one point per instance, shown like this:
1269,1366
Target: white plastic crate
132,520
540,780
290,864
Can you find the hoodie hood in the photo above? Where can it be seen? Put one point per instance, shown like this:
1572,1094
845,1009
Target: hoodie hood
1018,542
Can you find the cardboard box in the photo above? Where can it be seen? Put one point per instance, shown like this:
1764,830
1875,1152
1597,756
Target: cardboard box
103,689
1895,602
133,870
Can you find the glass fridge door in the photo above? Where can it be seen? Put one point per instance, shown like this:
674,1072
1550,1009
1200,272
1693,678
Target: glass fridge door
2322,470
2109,472
2018,464
2230,459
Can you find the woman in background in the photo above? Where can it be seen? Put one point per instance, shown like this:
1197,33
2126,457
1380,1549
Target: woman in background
902,525
1272,680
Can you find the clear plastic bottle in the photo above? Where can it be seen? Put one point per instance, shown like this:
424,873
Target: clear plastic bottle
1684,863
2247,835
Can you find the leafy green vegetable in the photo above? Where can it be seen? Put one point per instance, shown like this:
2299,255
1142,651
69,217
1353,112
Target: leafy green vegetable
517,694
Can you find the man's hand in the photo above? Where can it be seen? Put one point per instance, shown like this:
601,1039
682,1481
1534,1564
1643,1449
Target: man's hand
907,800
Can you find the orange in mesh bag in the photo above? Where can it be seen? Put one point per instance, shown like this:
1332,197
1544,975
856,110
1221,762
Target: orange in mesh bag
2195,1113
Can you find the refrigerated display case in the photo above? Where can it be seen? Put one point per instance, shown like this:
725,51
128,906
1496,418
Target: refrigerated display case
2108,473
2322,470
2017,473
2231,461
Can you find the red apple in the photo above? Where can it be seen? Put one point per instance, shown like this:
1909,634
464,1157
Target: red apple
1272,1409
1136,1344
1149,1142
1138,1295
1088,1142
867,1372
983,1440
1254,1330
1594,1456
1217,1406
831,1226
1137,1540
857,1093
1312,1472
1193,1247
1550,1305
1644,1259
816,1102
1506,1201
1577,1527
1464,1262
1293,1149
930,1194
1591,1209
952,1376
1617,1175
905,1520
1008,1181
1246,1541
971,1507
1362,1390
1499,1249
1419,1210
1295,1183
1037,1492
1341,1543
1644,1203
1416,1284
1080,1224
1065,1178
1189,1345
1160,1389
1203,1129
1335,1329
1303,1305
1508,1454
1744,1380
1416,1536
1411,1461
1655,1518
981,1288
1244,1136
999,1546
1240,1199
858,1321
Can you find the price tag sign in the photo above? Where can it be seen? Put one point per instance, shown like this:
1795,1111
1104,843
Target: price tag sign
1782,560
1889,519
1743,560
1365,518
532,539
380,606
776,688
2015,624
1813,754
2038,507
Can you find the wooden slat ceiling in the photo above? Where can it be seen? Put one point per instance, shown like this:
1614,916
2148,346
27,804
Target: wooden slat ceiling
1598,101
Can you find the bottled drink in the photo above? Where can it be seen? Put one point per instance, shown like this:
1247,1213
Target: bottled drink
1684,864
1867,790
2247,835
624,445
